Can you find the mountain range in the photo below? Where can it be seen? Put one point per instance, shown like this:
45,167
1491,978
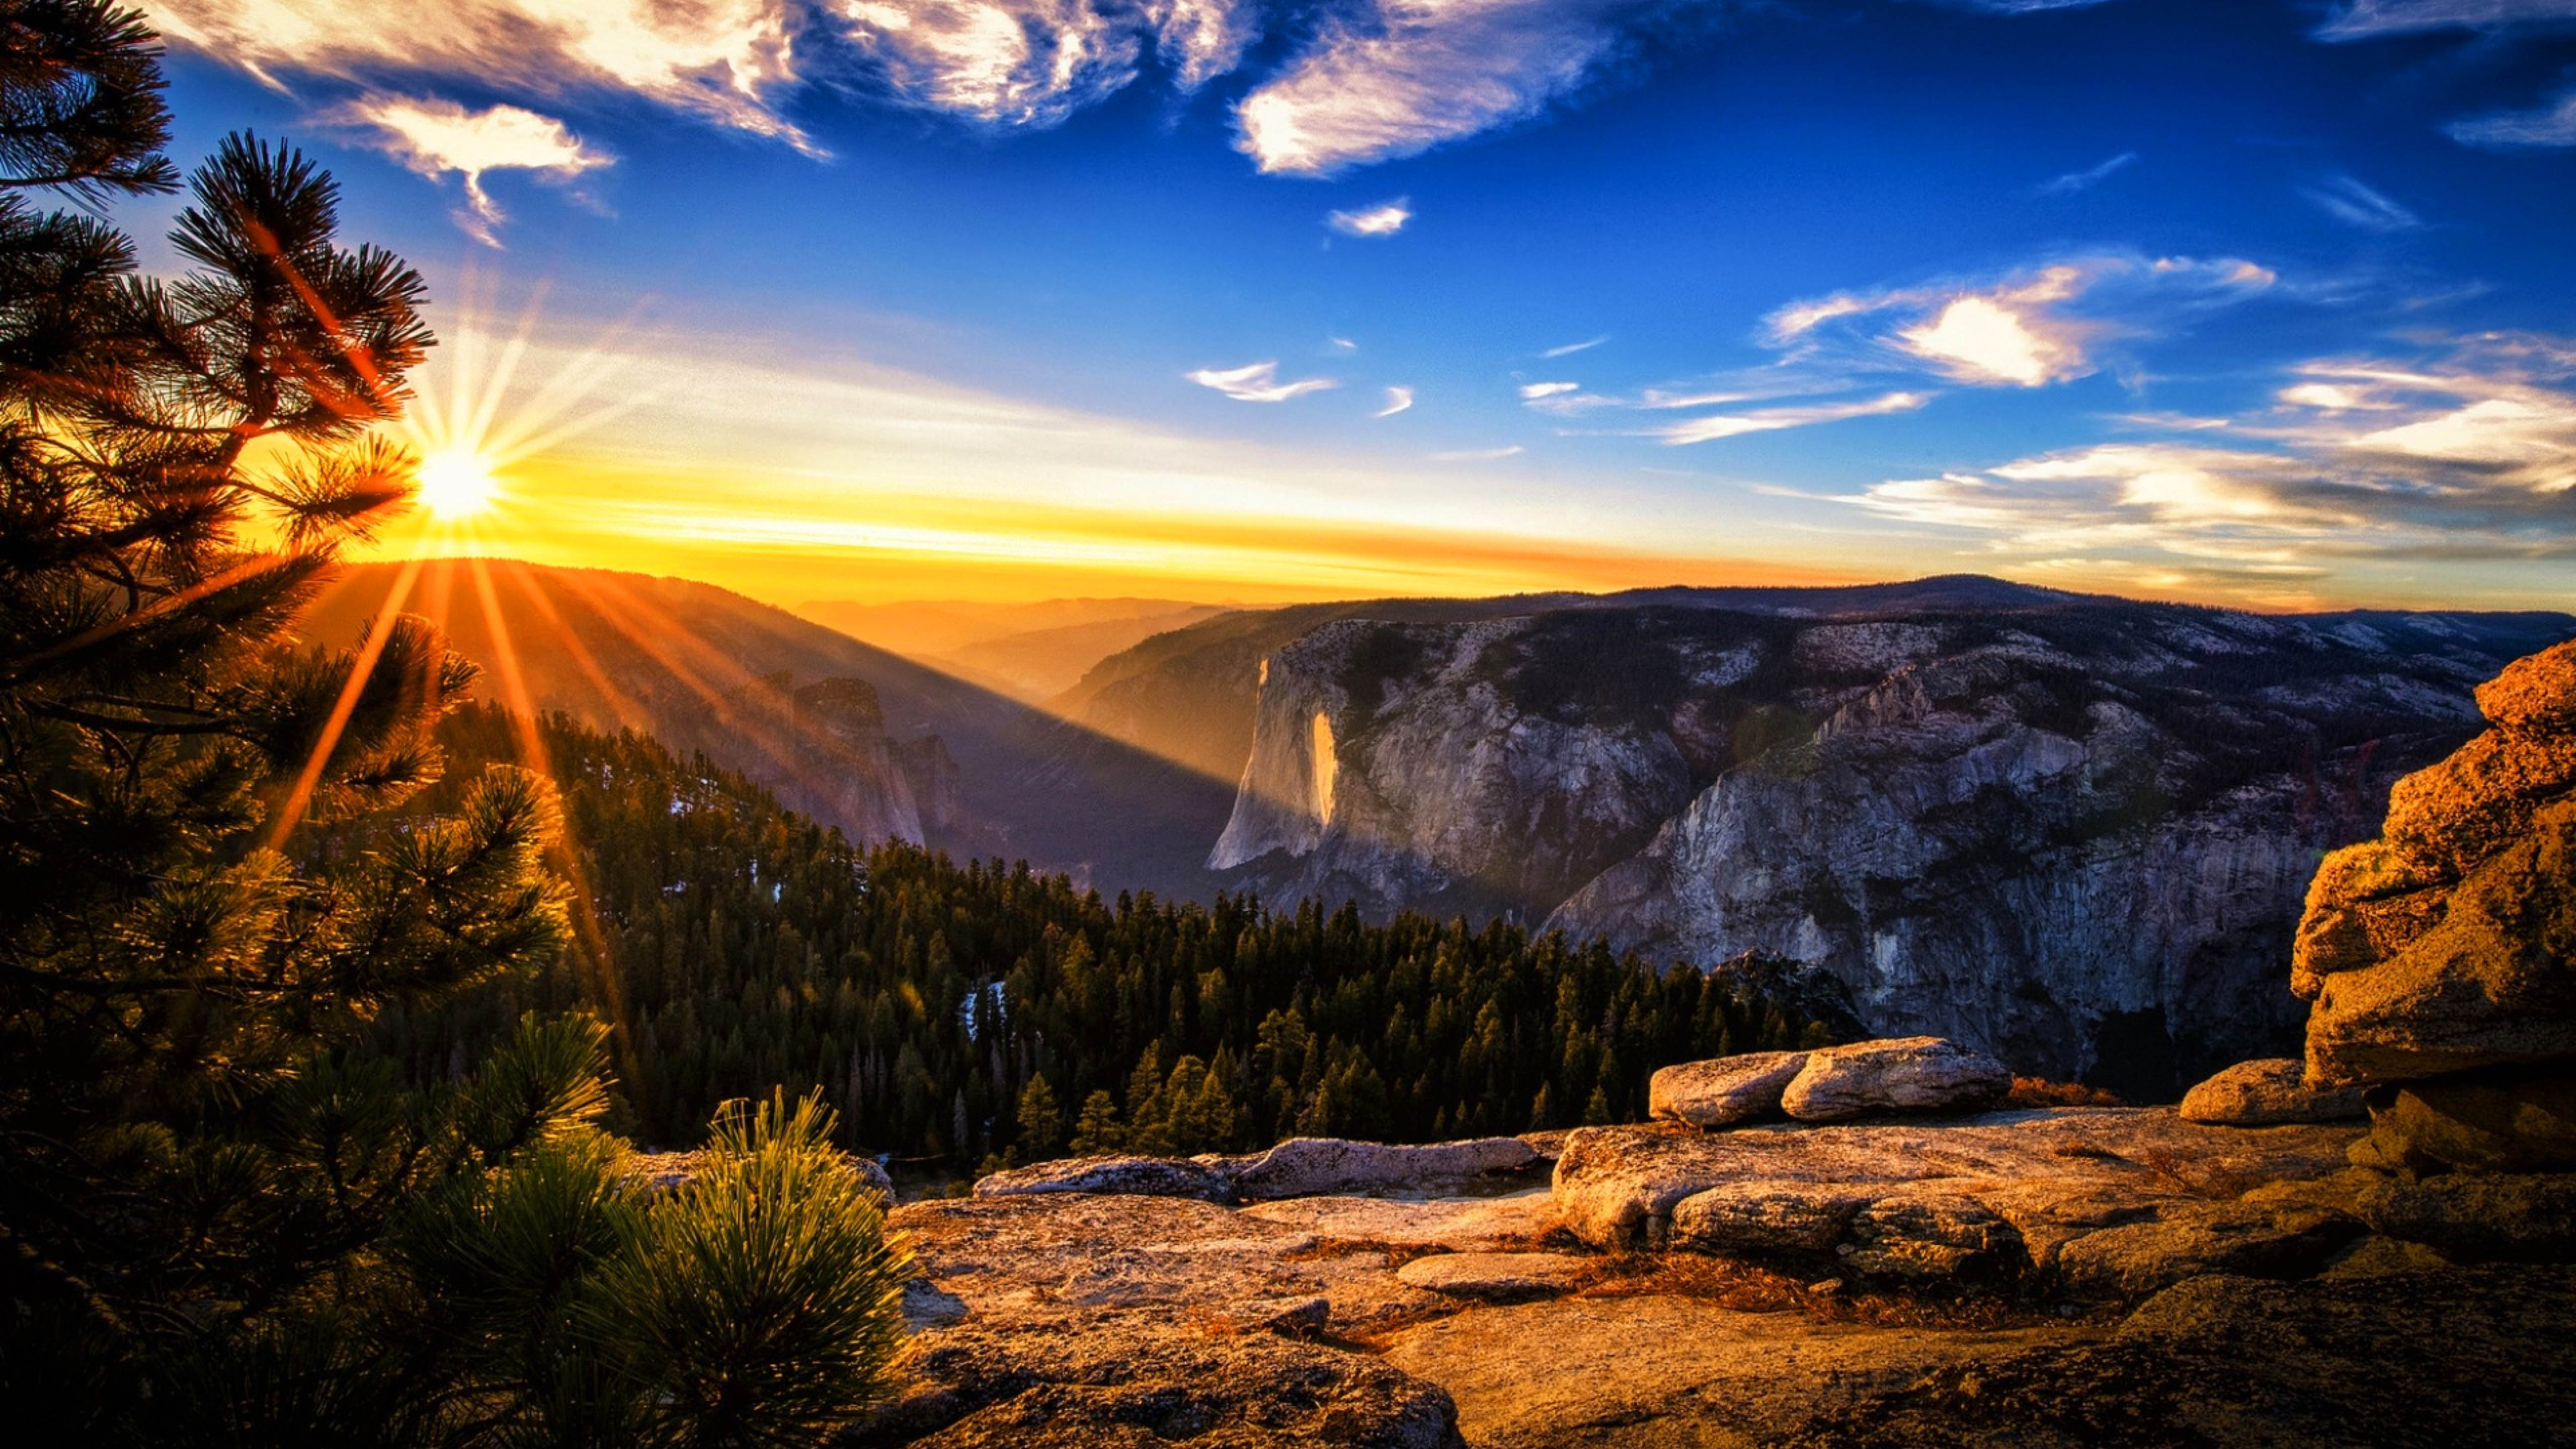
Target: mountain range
2072,829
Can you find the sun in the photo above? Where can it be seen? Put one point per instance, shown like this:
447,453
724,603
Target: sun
456,483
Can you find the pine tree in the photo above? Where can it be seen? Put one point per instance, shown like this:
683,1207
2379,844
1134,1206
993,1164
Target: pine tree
1041,1121
1098,1129
219,1210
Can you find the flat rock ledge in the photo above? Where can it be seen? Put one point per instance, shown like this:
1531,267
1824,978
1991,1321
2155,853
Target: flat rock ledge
1496,1277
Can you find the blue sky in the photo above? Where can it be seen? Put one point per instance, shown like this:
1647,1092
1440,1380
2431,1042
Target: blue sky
2242,300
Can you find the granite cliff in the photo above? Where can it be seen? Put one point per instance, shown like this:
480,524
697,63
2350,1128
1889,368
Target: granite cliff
2073,832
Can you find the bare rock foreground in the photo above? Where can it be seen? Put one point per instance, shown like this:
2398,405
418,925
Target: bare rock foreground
1987,1279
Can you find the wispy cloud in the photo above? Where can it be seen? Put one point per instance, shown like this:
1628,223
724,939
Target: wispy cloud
1384,219
2029,329
436,137
1478,455
1571,348
730,60
2470,457
1402,76
2349,200
1533,391
2551,125
2088,178
1765,420
2362,19
1258,382
1397,400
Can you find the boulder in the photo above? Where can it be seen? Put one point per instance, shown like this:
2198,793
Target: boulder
2502,1121
1924,1232
1768,1217
2265,1093
2451,815
1121,1176
1496,1277
2534,695
1722,1091
2185,1240
2493,984
1322,1166
1906,1074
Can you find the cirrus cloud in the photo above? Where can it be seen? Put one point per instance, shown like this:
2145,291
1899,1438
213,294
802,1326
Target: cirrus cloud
1257,382
1384,219
436,137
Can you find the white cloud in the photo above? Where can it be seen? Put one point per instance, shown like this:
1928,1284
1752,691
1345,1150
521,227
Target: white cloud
1343,344
2088,178
1258,382
2471,458
727,59
2364,18
1533,391
1731,425
1571,348
1202,39
1478,455
1002,62
2030,329
2348,200
2551,125
1397,400
1384,219
1407,75
435,137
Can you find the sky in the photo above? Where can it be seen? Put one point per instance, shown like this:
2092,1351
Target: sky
2267,303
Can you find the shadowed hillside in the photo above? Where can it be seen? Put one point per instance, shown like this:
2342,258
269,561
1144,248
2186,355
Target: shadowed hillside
705,669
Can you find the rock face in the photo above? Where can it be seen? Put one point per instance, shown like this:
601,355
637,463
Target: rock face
2075,834
1723,1091
2266,1093
1910,1074
2442,958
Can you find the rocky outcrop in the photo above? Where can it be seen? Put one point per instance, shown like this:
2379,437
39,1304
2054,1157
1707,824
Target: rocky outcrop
1119,1176
1321,1166
1722,1091
2267,1093
1909,1074
2005,1190
2442,958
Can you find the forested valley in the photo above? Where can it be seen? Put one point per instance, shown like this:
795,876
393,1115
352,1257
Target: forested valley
963,1014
